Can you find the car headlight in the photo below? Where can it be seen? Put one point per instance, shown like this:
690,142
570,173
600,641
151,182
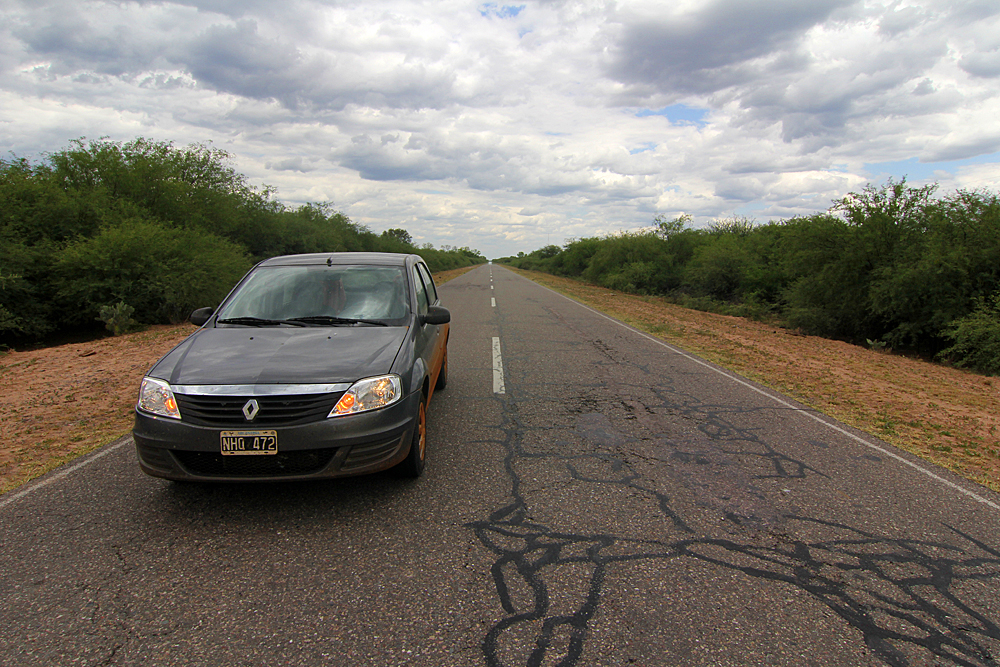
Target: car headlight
369,394
155,396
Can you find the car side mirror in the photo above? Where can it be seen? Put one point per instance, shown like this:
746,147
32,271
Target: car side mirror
436,315
200,316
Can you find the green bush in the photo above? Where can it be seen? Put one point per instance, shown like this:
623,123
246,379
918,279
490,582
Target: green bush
638,262
977,338
949,260
718,269
25,291
165,273
193,186
575,258
117,318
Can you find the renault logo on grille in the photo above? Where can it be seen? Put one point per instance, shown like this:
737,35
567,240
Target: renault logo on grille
251,409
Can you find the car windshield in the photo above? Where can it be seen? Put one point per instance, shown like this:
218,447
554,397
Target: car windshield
319,294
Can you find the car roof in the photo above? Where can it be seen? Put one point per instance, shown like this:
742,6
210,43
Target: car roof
331,258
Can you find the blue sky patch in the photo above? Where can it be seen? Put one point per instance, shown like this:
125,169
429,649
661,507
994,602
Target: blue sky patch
502,11
679,114
648,146
914,170
752,210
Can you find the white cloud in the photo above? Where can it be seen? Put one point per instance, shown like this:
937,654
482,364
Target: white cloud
505,127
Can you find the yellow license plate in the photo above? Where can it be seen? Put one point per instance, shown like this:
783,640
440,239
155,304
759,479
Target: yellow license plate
235,443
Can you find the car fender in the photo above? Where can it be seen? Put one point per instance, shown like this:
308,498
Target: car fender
419,376
409,365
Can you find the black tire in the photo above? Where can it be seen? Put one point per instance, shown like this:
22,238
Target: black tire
442,380
413,465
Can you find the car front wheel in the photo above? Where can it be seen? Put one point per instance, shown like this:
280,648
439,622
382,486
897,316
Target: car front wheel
413,464
442,380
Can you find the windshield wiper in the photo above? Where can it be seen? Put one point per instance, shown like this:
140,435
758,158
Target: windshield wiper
332,321
258,322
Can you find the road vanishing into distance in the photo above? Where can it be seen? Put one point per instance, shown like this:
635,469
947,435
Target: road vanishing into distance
593,496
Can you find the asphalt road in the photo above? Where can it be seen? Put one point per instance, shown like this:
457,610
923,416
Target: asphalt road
592,497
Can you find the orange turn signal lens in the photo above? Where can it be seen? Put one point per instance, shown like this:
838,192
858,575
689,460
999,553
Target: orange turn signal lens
345,404
156,397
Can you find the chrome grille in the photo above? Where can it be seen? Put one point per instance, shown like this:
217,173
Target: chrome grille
292,410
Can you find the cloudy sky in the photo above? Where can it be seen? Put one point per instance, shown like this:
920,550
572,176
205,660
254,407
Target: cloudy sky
506,127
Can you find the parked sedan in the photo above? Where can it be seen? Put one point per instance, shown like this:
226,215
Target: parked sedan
314,366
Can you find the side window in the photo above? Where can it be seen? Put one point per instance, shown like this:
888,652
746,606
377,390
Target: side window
418,283
428,282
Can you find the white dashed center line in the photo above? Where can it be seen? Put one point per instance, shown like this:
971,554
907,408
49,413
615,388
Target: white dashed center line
498,387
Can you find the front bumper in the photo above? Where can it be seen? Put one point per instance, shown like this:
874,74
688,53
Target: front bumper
339,447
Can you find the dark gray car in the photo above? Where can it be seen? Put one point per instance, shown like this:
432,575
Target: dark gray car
314,366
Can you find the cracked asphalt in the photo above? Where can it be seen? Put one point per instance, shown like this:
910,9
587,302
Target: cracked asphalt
619,503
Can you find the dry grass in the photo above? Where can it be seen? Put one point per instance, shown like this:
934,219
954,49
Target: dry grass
444,276
60,402
944,415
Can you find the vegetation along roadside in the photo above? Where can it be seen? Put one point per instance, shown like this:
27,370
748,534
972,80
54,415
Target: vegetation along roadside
144,232
892,266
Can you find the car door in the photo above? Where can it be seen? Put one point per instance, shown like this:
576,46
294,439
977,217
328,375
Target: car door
431,338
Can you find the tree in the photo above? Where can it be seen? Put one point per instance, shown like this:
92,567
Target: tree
400,235
738,225
668,228
883,215
548,251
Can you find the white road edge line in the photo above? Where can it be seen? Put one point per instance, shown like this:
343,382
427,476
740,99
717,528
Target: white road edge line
63,473
780,401
498,386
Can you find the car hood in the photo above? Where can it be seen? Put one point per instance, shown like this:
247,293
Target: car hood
313,355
